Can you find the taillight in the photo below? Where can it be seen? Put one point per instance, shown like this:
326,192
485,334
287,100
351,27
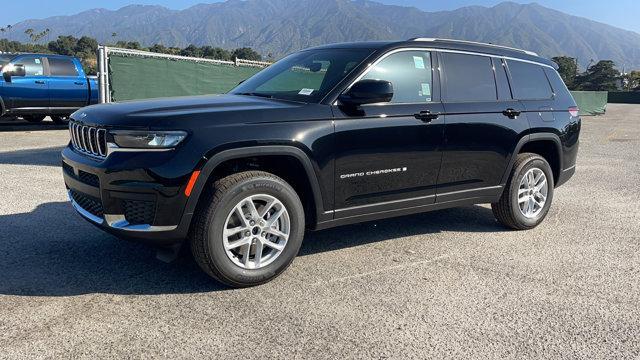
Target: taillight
574,111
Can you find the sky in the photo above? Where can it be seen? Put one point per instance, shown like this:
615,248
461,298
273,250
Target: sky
619,13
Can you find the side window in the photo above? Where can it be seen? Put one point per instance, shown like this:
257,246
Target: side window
410,74
62,67
32,65
468,77
528,81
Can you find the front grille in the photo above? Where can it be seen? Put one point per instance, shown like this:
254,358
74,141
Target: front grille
88,139
88,178
89,203
138,212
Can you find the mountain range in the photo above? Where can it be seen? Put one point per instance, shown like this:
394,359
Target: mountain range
278,27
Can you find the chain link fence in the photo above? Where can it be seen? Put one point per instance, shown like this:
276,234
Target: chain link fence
126,74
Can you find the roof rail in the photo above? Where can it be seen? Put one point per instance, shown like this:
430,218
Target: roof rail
476,43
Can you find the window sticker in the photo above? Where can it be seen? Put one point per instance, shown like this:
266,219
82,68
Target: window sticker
426,89
418,61
306,92
37,61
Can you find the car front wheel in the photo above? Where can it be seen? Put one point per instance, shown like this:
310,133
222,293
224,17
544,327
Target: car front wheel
248,228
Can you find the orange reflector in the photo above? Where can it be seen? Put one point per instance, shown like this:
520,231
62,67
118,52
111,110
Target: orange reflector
192,182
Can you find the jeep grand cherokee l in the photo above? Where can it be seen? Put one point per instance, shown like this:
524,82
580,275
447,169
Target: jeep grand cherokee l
328,136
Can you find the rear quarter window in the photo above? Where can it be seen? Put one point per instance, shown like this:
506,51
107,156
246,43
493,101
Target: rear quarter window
528,81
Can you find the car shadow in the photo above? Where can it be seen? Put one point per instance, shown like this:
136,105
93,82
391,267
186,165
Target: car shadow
44,157
51,251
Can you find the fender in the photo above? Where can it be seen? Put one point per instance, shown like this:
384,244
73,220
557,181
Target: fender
2,107
527,139
225,155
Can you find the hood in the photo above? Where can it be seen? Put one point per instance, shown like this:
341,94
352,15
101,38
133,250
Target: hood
170,112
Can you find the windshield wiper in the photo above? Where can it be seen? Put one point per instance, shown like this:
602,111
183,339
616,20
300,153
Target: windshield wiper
256,94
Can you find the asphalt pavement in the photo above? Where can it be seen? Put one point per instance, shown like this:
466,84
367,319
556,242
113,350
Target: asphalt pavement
445,284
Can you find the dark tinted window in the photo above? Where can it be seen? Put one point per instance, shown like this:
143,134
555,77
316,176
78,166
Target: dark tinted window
528,81
62,67
468,77
410,74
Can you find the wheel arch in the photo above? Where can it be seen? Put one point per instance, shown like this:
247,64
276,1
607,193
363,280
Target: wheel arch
538,143
208,171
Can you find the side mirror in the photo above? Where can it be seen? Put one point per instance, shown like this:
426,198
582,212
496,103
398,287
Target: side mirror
368,92
13,70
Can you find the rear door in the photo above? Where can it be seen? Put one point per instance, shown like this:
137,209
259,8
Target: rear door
31,90
387,157
67,85
483,126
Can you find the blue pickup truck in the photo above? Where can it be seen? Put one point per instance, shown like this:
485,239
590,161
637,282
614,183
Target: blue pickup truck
33,86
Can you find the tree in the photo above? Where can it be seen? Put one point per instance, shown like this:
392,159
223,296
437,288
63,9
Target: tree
191,51
602,76
86,47
246,54
631,81
568,69
64,45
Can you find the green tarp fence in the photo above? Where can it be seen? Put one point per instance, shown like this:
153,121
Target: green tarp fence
591,102
624,97
139,77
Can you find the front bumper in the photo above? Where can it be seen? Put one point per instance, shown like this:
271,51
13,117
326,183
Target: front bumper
129,195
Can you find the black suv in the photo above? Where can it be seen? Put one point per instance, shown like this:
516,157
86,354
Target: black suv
328,136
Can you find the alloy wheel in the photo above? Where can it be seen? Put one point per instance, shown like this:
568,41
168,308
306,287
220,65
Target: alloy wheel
532,192
256,231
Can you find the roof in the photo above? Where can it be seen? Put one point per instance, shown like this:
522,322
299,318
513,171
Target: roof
448,44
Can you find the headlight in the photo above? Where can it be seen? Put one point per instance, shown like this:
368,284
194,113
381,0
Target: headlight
148,139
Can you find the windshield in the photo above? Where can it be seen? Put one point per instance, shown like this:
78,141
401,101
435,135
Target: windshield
306,76
4,60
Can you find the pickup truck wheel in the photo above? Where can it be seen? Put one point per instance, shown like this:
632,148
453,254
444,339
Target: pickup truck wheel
60,120
527,197
247,229
34,118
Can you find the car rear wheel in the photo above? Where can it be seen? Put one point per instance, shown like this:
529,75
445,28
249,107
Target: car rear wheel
248,228
34,118
527,197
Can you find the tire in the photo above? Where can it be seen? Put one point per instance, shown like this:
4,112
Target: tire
34,118
60,120
519,206
217,211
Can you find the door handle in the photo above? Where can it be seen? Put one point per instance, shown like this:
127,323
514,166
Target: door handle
426,116
511,113
41,82
79,83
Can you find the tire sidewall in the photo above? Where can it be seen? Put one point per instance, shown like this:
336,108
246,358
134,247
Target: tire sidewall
534,162
259,185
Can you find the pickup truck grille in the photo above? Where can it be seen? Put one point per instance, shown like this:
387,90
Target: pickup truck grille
88,139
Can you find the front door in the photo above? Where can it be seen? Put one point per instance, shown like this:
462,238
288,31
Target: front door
31,90
387,155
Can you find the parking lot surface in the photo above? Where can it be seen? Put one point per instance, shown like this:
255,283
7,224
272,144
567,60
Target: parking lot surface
445,284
